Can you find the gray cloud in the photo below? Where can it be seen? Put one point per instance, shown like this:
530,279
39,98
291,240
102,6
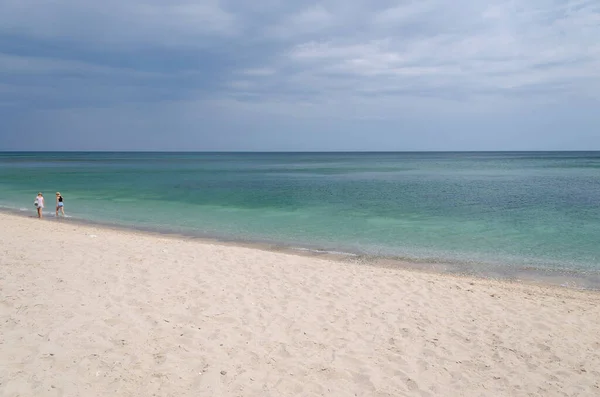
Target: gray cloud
119,23
394,62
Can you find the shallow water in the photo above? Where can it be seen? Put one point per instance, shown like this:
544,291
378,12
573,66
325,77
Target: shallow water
483,211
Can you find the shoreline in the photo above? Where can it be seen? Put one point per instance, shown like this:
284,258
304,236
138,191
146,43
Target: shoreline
93,311
562,278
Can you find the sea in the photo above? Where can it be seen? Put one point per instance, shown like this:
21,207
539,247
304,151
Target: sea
506,213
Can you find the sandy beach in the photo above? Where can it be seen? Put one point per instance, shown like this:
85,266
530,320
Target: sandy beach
91,311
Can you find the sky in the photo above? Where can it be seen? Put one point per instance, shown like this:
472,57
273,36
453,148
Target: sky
296,75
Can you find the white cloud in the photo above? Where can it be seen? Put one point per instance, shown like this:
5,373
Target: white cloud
498,49
404,12
259,72
242,84
311,20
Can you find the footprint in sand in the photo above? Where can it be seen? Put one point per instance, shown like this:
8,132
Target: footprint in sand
159,358
411,384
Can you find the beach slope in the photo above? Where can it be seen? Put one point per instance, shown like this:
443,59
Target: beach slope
90,311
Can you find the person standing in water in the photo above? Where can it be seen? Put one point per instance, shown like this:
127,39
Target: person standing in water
39,204
60,205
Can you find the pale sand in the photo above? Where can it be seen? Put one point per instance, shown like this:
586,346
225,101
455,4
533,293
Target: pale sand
87,311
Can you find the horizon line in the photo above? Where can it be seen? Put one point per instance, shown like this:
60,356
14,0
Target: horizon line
300,151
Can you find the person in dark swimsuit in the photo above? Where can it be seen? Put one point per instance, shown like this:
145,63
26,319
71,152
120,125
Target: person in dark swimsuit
60,205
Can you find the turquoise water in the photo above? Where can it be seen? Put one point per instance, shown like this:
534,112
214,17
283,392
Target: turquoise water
516,210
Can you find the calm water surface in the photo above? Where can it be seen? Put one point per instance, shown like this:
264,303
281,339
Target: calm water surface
508,210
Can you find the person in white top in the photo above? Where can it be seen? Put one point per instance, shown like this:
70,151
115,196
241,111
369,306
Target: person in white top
39,204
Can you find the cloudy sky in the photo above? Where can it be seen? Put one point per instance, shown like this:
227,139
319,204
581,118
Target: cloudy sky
299,75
